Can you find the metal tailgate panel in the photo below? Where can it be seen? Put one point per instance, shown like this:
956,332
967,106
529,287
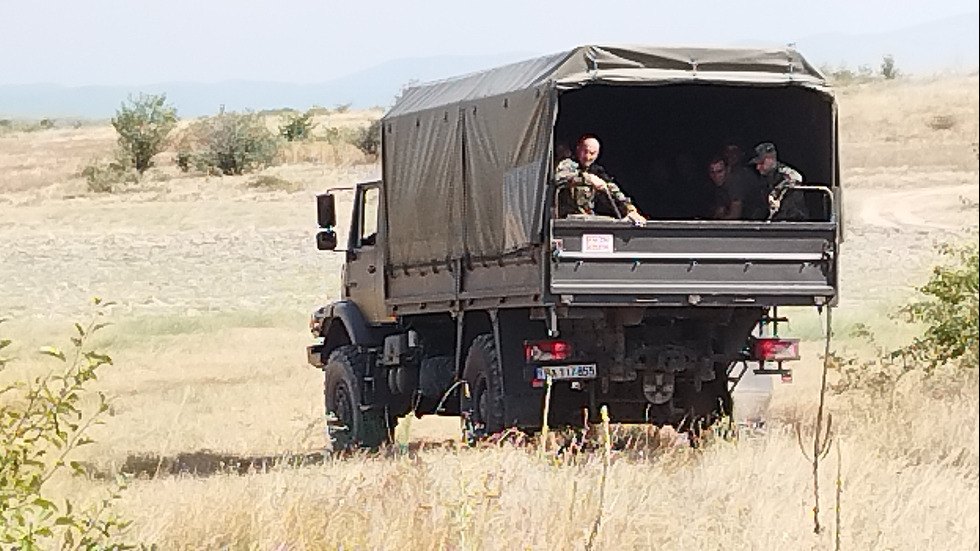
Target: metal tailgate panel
791,263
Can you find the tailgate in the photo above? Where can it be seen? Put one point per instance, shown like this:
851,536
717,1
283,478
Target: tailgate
694,262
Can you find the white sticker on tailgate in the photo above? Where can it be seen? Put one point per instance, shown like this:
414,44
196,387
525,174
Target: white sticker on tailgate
597,243
558,372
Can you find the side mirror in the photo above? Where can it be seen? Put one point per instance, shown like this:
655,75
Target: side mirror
326,240
326,213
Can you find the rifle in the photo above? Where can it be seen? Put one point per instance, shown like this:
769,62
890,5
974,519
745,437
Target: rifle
619,215
775,197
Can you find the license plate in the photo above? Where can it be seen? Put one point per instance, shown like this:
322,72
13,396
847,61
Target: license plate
559,372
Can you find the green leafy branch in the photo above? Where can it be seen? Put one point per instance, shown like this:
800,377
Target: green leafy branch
43,420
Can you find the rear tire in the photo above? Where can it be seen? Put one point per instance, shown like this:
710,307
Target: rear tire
349,424
483,409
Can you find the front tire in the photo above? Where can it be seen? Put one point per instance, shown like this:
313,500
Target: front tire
350,423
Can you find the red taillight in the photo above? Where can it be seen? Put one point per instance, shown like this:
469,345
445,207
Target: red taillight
775,349
547,351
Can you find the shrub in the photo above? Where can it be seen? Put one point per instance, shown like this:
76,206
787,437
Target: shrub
368,138
875,378
105,176
336,135
269,182
888,69
950,311
942,122
42,422
298,126
143,126
233,143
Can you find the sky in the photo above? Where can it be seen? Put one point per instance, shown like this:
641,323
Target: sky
126,42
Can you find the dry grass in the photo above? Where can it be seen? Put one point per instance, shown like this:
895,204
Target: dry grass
923,125
910,480
214,281
42,159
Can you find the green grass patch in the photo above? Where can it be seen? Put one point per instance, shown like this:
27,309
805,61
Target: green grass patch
807,324
169,325
134,332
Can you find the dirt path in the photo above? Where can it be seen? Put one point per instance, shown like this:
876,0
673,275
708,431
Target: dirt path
931,208
893,236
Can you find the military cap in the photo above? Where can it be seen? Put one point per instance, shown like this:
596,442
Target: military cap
762,150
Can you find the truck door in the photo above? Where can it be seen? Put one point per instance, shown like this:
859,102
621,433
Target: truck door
364,283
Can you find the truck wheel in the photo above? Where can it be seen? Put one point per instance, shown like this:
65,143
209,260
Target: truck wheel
482,373
349,425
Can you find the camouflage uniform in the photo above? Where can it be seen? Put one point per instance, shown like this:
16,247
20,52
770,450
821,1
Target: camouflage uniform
576,196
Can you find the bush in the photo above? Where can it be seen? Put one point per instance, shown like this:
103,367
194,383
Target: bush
950,311
232,143
949,341
942,122
143,126
269,182
888,69
105,176
368,138
298,126
42,422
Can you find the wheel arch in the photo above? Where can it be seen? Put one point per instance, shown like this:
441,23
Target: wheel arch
347,325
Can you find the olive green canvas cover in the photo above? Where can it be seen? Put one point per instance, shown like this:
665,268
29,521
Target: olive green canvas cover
466,160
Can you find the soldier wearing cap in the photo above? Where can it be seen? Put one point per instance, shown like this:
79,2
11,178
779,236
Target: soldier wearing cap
778,180
584,186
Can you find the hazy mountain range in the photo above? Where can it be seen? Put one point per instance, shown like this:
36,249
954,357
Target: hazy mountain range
930,47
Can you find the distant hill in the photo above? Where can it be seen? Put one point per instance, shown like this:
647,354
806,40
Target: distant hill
372,87
950,43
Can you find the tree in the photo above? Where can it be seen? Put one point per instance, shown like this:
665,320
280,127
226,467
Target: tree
888,69
143,124
297,126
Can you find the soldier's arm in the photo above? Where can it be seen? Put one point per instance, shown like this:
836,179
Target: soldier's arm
566,172
790,175
623,202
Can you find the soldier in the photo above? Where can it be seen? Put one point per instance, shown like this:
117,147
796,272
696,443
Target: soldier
746,185
726,203
778,180
584,187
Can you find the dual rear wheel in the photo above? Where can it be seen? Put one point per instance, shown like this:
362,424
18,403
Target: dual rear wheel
482,399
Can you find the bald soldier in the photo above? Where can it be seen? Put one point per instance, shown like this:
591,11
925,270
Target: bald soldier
584,186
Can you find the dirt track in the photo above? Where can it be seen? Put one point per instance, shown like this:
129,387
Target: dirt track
912,210
255,252
892,236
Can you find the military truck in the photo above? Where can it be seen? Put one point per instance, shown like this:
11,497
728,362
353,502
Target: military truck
463,294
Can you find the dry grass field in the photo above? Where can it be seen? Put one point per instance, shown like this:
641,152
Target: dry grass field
213,280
